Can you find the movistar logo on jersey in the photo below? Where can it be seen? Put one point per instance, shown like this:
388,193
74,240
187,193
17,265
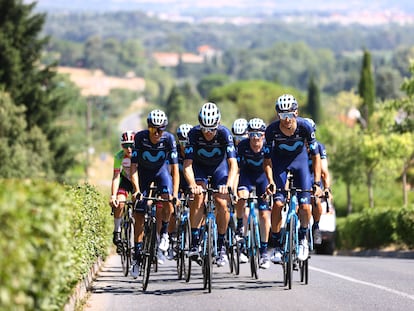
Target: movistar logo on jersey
212,153
230,148
189,150
255,163
174,155
291,148
304,201
266,150
134,153
149,157
313,146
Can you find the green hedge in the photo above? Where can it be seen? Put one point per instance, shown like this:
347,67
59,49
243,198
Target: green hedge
50,235
377,227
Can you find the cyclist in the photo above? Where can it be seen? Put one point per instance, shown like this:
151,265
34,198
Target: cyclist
286,150
182,135
210,152
154,159
121,183
239,130
250,154
326,181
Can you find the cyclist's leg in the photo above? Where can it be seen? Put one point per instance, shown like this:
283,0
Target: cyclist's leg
222,213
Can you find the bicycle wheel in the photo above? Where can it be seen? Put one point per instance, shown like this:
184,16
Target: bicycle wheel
230,248
208,258
149,253
254,254
291,251
303,265
124,253
180,243
186,260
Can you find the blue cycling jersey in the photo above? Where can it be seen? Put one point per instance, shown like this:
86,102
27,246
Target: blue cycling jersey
151,156
209,153
249,160
280,147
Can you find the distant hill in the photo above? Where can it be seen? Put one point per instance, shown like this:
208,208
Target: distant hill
225,7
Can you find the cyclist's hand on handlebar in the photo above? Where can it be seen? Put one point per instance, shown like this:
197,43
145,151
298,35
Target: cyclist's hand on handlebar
270,189
197,189
223,189
113,202
317,191
136,196
328,194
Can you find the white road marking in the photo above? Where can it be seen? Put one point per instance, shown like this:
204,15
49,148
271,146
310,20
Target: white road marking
347,278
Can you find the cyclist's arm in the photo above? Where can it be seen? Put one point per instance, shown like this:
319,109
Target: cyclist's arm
268,169
175,173
233,171
114,186
326,179
189,173
134,178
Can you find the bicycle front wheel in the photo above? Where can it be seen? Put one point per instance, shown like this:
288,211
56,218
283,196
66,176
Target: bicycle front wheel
149,253
208,257
254,253
186,260
291,251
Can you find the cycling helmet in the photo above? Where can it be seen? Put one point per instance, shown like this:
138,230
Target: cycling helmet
257,125
311,122
239,127
127,137
157,118
286,103
182,131
209,115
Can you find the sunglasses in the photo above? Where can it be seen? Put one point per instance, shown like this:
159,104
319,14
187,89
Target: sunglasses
287,115
126,146
256,134
156,130
208,129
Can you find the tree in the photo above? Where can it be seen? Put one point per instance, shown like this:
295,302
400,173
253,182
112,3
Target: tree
314,101
366,87
29,84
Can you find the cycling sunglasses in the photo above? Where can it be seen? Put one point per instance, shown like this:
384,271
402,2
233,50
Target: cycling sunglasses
256,134
154,130
287,115
126,146
208,129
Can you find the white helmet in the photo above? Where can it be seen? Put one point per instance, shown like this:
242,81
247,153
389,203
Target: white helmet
286,103
182,131
311,123
239,127
256,125
209,115
157,118
127,137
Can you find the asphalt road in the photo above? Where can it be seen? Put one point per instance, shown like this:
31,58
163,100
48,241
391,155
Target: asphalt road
335,283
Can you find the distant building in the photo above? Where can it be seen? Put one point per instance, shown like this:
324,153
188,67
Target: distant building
167,59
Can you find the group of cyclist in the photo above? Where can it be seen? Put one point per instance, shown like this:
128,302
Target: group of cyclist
250,155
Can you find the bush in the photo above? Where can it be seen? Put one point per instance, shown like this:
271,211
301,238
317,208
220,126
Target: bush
405,225
49,238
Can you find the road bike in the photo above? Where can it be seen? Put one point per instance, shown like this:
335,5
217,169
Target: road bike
231,242
290,236
183,243
127,236
209,236
253,234
150,243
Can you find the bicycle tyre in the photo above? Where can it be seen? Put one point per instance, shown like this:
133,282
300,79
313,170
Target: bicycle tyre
149,254
186,260
230,247
253,250
124,254
208,257
304,271
291,250
180,258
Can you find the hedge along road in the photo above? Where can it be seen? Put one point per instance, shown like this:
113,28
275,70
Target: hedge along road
335,283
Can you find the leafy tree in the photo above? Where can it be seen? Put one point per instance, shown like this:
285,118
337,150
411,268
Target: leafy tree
207,83
366,87
175,107
314,101
29,84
